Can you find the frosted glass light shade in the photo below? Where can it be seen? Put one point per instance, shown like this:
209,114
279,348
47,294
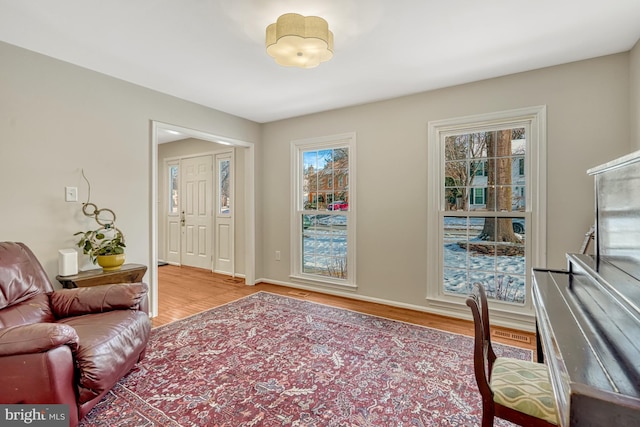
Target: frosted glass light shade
299,41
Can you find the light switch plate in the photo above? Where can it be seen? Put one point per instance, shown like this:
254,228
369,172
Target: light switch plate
71,194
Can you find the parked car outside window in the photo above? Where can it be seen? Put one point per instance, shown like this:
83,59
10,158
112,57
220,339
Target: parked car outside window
518,225
338,205
306,221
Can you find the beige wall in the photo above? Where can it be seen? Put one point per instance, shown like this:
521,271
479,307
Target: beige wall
57,118
588,123
634,92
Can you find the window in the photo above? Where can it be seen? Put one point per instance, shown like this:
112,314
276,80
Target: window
323,226
174,191
487,208
479,168
224,175
478,196
520,166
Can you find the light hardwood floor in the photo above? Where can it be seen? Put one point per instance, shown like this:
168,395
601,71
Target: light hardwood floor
183,291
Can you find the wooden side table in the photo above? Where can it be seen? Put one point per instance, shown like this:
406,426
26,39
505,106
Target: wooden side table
129,273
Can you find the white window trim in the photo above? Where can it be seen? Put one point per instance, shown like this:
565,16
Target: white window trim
504,314
297,147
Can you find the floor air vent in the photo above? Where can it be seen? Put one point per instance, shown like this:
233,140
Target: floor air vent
299,293
512,336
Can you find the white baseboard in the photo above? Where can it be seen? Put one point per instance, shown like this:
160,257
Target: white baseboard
505,320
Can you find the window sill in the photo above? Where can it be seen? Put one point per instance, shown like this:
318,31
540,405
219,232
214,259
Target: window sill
329,283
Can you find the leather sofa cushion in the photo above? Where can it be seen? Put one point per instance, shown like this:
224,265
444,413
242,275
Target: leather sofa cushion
95,299
110,344
35,310
20,277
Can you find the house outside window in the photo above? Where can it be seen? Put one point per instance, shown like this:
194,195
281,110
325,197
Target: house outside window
486,207
479,171
323,212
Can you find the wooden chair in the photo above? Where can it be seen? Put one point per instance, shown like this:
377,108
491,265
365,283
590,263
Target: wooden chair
515,390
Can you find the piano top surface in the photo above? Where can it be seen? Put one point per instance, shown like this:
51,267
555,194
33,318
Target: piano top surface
595,331
590,331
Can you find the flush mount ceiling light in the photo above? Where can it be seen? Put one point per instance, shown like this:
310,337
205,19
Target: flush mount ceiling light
299,41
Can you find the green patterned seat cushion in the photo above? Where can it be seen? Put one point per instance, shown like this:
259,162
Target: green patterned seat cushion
525,387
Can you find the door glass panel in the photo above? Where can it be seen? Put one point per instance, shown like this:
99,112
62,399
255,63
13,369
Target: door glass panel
173,189
224,203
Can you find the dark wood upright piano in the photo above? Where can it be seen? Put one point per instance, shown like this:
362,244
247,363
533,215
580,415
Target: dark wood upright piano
588,316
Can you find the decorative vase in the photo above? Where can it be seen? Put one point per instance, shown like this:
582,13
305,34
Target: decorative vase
110,262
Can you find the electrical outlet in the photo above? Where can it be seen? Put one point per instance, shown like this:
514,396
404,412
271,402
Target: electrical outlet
277,255
71,194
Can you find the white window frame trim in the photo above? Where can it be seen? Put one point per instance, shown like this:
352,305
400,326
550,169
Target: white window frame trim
503,314
318,143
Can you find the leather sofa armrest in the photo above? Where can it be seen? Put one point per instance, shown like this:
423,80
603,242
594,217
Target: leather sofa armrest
36,338
98,299
39,378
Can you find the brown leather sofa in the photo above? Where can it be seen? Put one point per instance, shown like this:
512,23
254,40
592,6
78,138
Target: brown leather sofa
67,346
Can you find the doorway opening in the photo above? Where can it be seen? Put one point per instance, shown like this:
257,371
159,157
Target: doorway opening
162,133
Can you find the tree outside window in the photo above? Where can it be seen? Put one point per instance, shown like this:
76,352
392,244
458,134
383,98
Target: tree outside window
480,241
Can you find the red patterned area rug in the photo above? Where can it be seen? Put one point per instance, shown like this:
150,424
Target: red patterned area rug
269,360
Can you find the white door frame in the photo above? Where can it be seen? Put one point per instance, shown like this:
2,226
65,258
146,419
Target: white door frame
250,246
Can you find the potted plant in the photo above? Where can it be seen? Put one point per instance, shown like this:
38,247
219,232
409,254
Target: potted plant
105,246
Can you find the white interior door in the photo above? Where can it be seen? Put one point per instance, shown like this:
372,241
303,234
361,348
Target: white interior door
196,204
224,236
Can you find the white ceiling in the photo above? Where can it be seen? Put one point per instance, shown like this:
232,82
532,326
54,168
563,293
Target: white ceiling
212,51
